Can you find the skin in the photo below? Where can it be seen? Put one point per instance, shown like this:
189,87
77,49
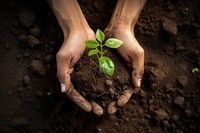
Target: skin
121,26
76,31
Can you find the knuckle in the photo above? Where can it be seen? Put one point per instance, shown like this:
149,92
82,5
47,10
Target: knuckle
137,52
140,51
62,55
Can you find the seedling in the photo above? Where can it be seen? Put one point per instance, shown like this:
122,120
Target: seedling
195,70
97,48
186,12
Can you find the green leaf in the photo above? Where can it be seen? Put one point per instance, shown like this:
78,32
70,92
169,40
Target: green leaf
92,43
92,52
100,35
106,65
113,43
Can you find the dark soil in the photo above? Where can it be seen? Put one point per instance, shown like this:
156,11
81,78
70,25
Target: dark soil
30,97
95,85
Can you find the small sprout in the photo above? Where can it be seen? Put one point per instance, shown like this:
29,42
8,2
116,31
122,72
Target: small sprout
48,93
186,12
195,70
105,63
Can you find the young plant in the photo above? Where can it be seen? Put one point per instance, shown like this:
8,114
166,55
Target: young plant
186,12
195,70
97,48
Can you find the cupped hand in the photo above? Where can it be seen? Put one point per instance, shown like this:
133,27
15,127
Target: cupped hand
133,54
131,51
68,55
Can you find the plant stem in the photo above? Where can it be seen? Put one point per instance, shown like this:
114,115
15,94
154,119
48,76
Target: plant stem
101,50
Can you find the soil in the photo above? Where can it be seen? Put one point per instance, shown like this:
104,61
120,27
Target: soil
95,85
30,97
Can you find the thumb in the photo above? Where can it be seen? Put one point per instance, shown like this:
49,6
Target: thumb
138,67
63,71
65,83
137,77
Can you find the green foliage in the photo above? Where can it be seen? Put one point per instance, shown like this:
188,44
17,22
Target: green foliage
105,63
186,12
92,43
195,70
113,43
100,35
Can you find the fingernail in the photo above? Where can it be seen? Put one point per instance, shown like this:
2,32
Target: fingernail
99,112
139,82
63,87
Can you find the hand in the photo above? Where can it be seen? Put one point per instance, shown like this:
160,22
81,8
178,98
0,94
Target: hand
133,54
68,55
131,51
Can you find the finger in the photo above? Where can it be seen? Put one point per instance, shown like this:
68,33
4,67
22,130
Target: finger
112,108
75,96
96,108
66,81
125,97
136,78
63,70
138,67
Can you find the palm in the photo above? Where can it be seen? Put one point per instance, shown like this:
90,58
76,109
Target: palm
132,52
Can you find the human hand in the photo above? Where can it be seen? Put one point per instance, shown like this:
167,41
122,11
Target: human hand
76,31
133,54
68,55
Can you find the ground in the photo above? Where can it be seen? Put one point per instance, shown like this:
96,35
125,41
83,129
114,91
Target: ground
30,101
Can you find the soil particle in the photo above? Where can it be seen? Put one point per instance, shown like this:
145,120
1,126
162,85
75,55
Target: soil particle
174,118
109,83
99,5
150,101
183,80
26,19
32,41
188,112
160,114
48,49
179,131
39,93
170,26
49,58
154,75
38,67
26,80
19,121
179,100
169,6
26,53
35,31
23,38
198,110
169,88
7,46
165,123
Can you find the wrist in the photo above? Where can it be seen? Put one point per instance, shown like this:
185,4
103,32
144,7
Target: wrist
69,15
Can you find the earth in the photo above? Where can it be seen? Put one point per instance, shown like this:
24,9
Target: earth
30,98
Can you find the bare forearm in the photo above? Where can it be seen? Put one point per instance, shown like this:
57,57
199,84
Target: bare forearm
68,14
127,12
